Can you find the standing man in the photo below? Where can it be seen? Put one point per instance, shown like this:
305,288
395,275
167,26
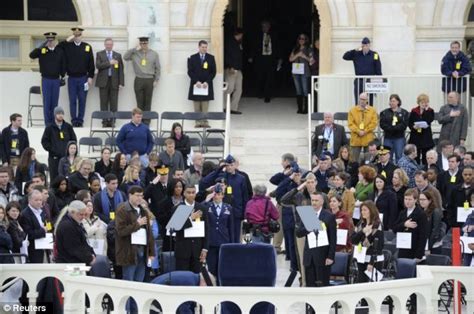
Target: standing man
454,120
52,64
454,66
267,60
449,179
55,139
318,260
362,122
385,166
134,243
146,64
109,78
366,62
136,136
201,71
80,70
191,252
15,140
328,137
233,68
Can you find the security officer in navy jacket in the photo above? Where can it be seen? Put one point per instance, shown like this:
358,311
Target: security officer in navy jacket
366,62
80,70
454,66
318,260
52,64
221,226
236,186
14,140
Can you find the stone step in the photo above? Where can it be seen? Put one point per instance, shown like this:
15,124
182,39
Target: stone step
270,133
244,141
268,150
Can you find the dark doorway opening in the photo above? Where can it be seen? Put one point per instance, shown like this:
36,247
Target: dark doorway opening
288,19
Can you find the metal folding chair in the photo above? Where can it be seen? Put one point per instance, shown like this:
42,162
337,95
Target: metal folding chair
90,142
169,115
101,115
153,116
34,90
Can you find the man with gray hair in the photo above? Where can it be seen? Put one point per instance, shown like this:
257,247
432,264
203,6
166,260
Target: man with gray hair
71,239
432,160
109,78
328,137
408,163
194,174
454,120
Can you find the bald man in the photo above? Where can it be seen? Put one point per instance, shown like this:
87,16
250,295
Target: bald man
328,137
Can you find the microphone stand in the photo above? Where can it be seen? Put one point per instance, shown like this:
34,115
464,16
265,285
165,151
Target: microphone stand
168,282
374,258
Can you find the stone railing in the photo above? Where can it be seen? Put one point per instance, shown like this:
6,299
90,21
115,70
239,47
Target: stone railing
77,285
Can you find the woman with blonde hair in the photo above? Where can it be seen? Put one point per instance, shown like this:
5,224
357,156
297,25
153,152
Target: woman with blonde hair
419,123
399,186
131,178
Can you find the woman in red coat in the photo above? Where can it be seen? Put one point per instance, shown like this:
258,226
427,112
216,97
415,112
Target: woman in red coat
343,221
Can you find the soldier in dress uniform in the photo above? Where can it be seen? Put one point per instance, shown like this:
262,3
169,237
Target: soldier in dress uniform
385,166
80,70
52,68
366,62
221,226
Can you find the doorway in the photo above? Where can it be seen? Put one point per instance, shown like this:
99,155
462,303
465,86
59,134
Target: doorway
288,19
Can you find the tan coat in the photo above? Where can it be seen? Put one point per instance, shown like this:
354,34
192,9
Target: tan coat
348,200
126,224
366,120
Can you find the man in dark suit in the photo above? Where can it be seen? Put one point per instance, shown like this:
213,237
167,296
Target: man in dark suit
460,197
201,71
412,220
449,179
14,141
318,260
385,166
329,137
191,252
109,78
33,222
266,55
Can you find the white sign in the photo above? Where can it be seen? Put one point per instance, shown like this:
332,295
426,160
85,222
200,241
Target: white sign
196,231
359,253
322,239
297,68
200,91
342,236
139,237
463,213
356,213
97,245
377,86
403,240
45,243
376,275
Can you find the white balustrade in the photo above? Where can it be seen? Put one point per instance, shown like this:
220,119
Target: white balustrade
77,285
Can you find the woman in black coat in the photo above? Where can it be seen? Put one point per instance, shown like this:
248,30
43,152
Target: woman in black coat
61,191
175,198
181,141
104,165
119,165
421,137
399,186
14,229
386,202
367,235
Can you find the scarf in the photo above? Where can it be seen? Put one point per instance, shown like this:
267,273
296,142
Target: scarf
104,199
339,191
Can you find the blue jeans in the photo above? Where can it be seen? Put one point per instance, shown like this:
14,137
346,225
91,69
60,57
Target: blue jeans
50,91
301,84
143,160
397,145
135,273
77,96
260,238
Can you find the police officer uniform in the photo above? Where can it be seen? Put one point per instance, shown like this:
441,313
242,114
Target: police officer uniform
52,64
364,64
385,170
80,67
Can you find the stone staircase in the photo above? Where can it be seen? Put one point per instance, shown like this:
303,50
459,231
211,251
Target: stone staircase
259,151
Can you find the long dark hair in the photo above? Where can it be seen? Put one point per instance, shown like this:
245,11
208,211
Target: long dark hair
428,211
116,163
25,159
173,184
173,127
374,214
306,43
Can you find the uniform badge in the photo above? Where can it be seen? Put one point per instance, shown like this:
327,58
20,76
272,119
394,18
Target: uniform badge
43,50
205,65
376,56
88,48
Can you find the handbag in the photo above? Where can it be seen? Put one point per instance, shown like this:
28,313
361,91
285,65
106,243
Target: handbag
273,225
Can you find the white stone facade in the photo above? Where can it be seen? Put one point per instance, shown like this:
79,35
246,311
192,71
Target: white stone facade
411,36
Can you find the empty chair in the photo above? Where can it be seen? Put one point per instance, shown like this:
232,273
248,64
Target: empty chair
111,142
195,142
317,116
340,268
340,116
102,116
172,116
159,143
406,268
90,142
125,116
438,260
153,117
213,143
34,90
215,116
194,117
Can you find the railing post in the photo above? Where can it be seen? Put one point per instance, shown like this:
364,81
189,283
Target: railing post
227,127
310,105
456,258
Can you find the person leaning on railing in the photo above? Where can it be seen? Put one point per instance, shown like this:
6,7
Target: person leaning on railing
454,66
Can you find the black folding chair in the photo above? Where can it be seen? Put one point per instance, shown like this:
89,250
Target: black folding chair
194,116
215,116
152,116
112,143
195,142
34,90
90,142
121,115
101,116
169,115
317,116
340,268
159,143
